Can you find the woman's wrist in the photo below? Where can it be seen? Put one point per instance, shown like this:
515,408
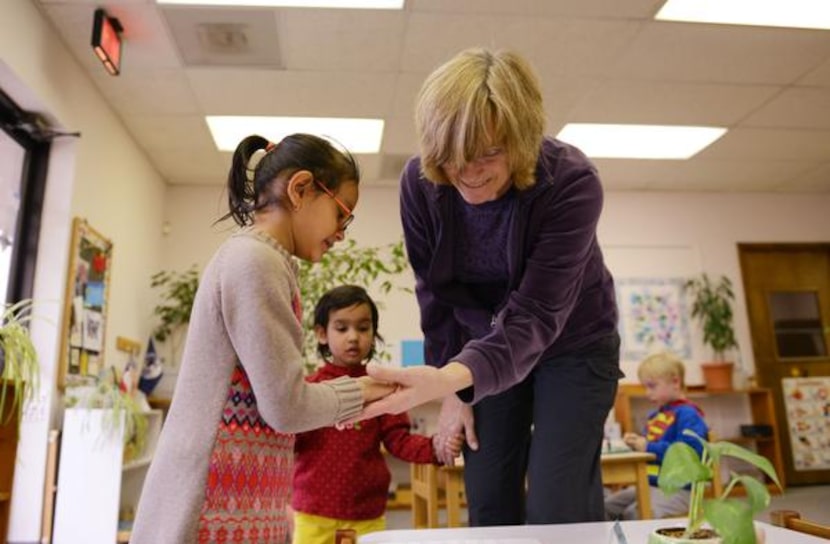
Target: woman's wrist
457,376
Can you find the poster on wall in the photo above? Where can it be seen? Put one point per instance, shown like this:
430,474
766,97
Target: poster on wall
85,305
807,403
653,317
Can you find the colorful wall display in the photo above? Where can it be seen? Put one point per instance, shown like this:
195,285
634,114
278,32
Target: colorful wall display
807,403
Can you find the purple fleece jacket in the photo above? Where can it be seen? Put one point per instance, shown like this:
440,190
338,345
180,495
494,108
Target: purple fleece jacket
560,295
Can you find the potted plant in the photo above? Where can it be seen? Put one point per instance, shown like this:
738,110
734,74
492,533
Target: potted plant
123,409
712,306
19,365
729,519
366,266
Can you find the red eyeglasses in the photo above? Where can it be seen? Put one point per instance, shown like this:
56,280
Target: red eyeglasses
348,216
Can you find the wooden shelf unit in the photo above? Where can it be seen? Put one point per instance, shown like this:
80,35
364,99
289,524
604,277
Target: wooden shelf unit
8,456
632,401
95,483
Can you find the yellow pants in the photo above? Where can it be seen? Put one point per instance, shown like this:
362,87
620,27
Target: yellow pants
310,529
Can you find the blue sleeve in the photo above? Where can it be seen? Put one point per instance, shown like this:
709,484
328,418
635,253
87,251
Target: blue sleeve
686,417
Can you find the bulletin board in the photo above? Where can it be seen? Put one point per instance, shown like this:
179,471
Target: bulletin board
807,403
85,305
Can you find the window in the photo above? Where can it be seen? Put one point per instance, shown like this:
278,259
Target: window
797,323
24,155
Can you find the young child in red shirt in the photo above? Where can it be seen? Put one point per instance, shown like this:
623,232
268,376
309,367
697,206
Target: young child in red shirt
341,479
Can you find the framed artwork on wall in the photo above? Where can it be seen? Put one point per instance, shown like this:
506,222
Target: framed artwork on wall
85,305
653,317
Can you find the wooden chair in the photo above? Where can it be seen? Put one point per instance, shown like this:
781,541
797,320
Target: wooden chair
790,519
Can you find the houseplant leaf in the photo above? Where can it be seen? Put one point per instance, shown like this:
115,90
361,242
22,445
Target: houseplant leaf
681,466
732,519
733,450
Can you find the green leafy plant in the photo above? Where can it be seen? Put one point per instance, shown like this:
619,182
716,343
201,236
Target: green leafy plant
20,364
731,518
178,291
712,306
368,267
123,407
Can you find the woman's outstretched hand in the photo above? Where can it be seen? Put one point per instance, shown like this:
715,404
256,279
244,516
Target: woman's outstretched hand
413,386
374,390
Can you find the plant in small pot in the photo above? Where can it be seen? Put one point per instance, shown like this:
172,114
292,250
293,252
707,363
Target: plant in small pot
712,305
730,520
19,364
124,409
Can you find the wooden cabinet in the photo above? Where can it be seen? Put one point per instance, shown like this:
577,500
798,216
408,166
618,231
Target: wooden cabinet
95,483
8,456
725,412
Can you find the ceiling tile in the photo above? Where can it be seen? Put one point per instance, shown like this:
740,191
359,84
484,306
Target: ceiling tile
796,107
658,102
158,92
583,8
597,60
820,76
759,144
339,40
172,132
273,92
813,180
722,53
190,167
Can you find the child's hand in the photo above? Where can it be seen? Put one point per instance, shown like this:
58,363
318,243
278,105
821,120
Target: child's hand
446,450
635,441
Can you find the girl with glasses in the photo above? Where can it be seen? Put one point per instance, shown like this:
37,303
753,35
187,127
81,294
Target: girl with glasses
222,470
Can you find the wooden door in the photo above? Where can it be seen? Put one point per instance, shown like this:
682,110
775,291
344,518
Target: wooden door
787,290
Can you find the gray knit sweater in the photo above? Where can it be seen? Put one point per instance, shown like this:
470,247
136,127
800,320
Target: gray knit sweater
244,313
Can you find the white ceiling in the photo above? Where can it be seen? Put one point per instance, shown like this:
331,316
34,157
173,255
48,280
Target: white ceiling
599,61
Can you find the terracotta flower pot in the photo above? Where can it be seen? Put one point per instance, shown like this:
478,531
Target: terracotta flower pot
717,375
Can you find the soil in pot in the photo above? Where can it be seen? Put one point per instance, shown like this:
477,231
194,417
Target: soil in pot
675,535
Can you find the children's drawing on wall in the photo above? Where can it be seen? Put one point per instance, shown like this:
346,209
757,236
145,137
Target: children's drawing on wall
652,317
807,401
93,331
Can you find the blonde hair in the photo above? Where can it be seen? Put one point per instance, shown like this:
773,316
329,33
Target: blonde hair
477,100
662,365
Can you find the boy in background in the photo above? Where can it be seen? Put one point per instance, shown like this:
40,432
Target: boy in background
663,376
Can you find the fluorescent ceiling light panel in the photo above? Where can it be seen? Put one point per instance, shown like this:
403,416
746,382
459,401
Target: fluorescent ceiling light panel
356,135
639,141
334,4
789,13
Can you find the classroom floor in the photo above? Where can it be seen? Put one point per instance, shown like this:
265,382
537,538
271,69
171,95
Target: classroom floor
810,501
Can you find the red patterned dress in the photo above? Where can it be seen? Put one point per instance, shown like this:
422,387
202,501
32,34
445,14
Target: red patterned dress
250,473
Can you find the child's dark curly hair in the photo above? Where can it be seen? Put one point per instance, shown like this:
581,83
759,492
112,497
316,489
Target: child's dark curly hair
341,297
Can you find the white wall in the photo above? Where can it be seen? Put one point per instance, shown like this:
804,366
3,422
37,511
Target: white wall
641,233
709,226
102,176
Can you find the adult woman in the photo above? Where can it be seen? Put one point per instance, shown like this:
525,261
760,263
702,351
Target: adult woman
517,307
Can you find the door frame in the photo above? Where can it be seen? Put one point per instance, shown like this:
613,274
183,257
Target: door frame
763,341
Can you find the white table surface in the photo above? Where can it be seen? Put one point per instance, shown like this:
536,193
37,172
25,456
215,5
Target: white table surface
636,532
